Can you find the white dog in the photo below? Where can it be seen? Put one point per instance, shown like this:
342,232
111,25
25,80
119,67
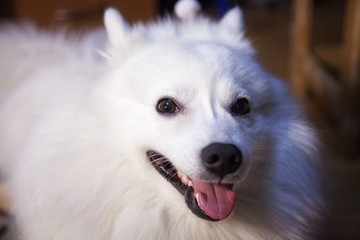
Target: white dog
173,131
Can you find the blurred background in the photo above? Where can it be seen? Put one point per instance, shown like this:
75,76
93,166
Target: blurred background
314,45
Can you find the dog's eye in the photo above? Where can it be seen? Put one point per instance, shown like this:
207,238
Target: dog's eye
167,106
241,107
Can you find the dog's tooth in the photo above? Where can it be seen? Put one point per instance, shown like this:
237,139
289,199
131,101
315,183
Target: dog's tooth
197,198
185,179
180,174
190,183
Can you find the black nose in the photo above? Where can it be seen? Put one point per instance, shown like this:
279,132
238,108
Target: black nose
221,159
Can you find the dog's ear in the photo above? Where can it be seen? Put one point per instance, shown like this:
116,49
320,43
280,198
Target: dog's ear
233,22
117,28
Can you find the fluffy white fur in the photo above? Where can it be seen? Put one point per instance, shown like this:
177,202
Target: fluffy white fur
77,116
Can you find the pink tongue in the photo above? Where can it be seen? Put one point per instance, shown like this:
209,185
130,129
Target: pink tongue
216,200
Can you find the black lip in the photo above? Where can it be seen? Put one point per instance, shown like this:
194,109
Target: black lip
169,172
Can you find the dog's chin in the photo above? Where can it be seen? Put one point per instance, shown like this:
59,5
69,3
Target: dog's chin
185,186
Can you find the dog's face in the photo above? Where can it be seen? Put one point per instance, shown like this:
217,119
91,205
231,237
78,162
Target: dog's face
194,108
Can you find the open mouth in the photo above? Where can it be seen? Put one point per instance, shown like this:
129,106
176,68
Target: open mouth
210,201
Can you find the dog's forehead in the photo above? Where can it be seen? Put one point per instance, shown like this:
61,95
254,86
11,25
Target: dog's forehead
209,63
196,60
184,69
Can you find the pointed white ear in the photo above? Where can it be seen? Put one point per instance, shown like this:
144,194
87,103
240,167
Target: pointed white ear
116,27
233,21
